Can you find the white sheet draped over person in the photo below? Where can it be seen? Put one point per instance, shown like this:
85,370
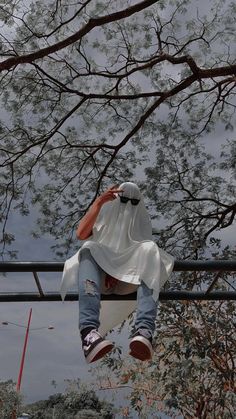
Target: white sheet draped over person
117,238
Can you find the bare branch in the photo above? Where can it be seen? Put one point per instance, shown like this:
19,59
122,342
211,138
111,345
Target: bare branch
92,23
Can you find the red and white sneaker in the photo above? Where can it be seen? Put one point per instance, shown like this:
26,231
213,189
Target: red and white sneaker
95,346
141,345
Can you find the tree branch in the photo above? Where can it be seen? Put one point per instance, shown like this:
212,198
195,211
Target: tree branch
92,23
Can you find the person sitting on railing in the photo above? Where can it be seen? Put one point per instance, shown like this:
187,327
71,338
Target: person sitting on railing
118,256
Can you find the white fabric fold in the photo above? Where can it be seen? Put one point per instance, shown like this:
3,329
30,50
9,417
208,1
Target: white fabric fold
121,243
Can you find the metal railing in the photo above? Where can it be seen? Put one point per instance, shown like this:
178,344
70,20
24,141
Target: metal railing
217,266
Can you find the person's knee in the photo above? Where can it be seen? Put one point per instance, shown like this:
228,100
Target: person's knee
85,253
146,291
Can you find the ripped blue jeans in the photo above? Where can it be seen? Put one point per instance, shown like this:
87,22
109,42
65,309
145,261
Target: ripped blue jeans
89,287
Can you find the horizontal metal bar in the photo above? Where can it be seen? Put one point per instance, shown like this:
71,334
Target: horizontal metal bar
180,265
163,296
205,265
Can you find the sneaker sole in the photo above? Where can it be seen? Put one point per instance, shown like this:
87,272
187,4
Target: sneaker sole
141,348
99,351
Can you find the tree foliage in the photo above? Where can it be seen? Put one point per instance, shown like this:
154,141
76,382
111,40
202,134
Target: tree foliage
75,403
78,401
96,92
10,399
192,374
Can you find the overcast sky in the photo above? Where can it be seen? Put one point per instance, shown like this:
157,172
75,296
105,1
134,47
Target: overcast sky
52,354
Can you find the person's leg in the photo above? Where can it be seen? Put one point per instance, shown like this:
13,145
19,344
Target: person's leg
146,308
89,287
141,343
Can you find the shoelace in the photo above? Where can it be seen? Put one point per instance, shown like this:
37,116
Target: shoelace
92,336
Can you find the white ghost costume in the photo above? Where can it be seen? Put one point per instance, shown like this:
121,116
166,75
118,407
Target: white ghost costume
121,244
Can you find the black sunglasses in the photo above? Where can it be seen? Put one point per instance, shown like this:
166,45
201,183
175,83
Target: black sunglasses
124,200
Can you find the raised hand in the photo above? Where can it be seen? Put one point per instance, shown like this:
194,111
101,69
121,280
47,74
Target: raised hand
109,194
84,229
